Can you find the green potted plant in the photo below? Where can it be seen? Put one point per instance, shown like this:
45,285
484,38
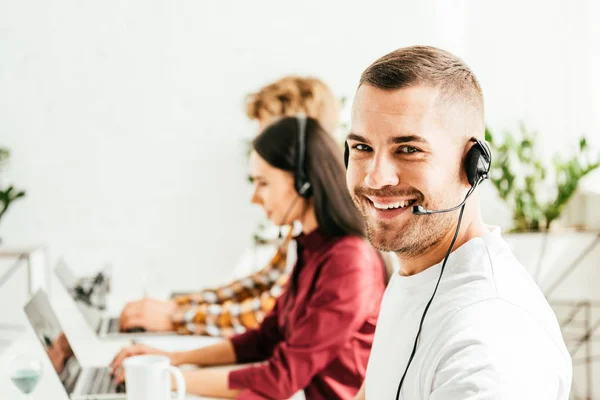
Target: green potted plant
537,193
7,194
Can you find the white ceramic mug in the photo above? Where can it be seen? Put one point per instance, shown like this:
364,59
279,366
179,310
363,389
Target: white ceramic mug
147,378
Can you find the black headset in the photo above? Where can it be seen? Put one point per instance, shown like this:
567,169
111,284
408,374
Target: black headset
301,183
477,162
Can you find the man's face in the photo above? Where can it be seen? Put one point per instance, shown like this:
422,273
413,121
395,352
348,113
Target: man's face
402,155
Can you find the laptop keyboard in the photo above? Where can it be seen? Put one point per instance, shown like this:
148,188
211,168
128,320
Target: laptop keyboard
100,382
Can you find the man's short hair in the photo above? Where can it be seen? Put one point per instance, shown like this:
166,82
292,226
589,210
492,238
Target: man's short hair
460,95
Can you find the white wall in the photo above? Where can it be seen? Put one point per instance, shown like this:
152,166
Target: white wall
539,62
125,119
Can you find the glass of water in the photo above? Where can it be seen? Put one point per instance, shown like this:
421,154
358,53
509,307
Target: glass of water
26,372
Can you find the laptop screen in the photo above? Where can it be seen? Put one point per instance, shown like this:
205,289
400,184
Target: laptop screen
55,342
92,316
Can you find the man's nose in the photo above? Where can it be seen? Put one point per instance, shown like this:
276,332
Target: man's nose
382,172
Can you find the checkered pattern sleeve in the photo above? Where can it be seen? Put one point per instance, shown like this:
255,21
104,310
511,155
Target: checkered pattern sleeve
234,308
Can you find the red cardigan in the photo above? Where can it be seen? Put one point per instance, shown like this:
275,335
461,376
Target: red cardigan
318,340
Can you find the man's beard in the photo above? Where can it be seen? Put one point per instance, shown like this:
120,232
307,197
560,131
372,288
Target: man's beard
417,233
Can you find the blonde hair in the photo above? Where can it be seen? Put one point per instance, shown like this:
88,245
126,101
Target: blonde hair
293,94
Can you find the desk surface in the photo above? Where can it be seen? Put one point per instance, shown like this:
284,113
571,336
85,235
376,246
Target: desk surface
88,348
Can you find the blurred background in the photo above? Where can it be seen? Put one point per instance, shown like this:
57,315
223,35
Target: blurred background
123,123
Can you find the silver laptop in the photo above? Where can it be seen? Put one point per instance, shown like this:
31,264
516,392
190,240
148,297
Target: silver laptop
105,326
79,383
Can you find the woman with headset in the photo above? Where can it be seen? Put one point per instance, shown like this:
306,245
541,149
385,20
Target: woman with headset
318,336
242,304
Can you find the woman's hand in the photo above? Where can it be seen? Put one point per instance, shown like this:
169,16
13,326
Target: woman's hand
151,314
138,349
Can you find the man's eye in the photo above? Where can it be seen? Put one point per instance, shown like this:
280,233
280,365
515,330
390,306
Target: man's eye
408,150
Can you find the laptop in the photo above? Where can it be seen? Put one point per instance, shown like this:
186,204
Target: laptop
106,327
79,383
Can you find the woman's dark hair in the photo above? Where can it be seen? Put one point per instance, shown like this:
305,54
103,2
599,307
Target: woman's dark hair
323,166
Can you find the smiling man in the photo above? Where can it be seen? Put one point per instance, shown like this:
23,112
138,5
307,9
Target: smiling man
462,319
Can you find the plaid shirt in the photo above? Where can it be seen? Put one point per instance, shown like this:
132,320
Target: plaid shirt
234,308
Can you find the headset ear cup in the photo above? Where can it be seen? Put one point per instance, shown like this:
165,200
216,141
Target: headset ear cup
474,163
346,154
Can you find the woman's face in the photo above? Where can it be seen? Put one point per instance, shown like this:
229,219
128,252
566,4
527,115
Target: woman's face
274,191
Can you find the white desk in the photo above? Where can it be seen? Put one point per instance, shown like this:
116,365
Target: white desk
89,350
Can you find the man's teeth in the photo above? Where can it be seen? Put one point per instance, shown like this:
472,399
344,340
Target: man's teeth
399,204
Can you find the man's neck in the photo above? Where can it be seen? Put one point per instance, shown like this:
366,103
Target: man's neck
435,254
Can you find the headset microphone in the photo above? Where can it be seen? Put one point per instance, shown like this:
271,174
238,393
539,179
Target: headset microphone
419,210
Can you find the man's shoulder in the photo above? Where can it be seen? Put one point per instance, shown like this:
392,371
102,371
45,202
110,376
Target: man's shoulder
499,325
512,289
494,290
499,343
496,311
488,270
